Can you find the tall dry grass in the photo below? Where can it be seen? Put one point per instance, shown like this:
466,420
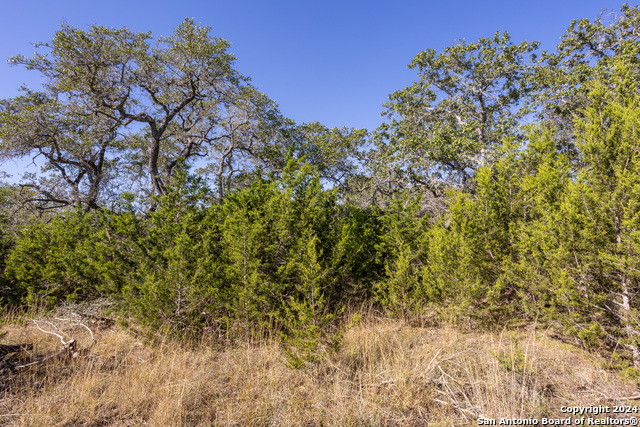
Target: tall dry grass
387,373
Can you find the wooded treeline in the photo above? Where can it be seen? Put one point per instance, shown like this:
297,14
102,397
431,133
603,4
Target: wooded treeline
503,184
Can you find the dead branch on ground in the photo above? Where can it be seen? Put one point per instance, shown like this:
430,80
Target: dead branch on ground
17,357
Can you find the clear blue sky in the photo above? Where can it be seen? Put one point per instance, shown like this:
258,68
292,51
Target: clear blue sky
328,61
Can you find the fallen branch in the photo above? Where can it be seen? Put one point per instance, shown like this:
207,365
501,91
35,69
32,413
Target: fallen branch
64,343
69,349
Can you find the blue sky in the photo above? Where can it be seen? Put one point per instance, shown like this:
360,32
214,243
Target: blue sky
333,61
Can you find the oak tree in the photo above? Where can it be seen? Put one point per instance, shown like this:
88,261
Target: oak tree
442,127
115,101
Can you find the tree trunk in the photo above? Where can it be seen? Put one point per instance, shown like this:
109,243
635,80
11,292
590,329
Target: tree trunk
625,307
157,186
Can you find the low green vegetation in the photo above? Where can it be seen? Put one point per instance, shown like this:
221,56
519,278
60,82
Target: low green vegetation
177,192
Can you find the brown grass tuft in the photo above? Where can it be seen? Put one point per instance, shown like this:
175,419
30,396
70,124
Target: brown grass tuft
386,373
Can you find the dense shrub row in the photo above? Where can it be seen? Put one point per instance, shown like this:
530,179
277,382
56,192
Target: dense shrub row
537,222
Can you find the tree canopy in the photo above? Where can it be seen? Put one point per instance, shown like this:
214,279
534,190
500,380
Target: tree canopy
503,184
118,106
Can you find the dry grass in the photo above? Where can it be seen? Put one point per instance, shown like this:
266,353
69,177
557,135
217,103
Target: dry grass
387,373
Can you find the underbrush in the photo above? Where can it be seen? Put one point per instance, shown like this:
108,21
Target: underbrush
386,373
